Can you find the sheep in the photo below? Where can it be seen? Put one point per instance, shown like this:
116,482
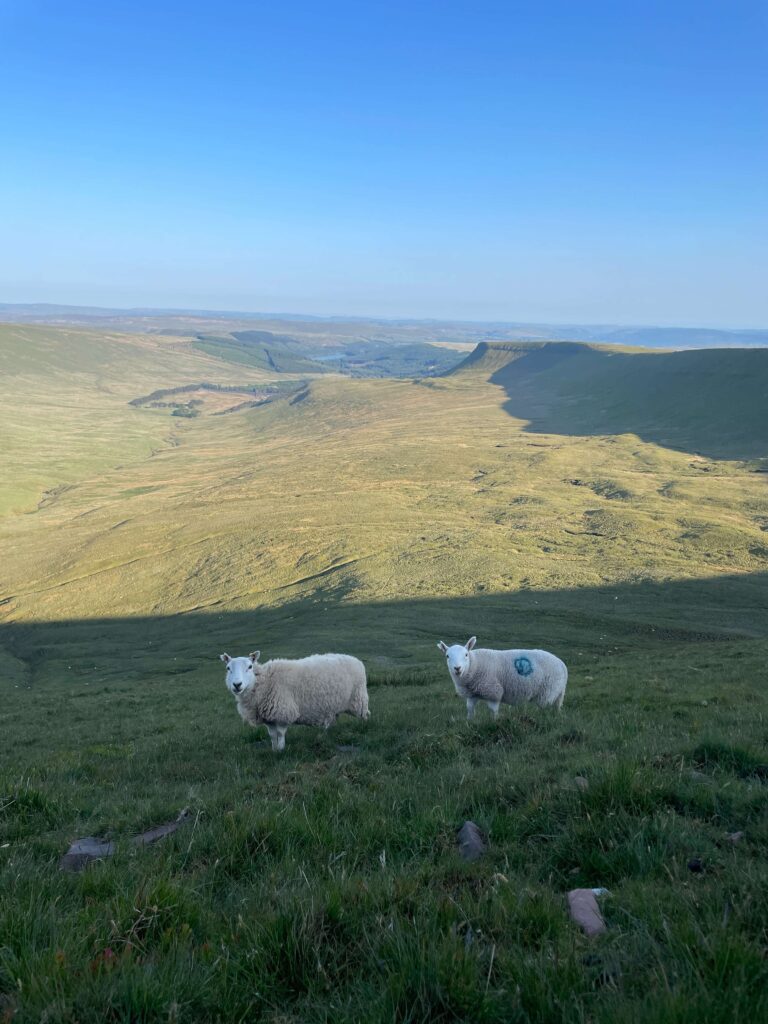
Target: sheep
309,691
508,677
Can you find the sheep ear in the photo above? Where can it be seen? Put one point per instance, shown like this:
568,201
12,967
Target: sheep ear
254,655
225,657
441,646
471,643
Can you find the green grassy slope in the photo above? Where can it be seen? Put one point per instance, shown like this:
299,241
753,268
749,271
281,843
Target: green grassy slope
713,401
377,516
325,885
260,350
64,403
379,490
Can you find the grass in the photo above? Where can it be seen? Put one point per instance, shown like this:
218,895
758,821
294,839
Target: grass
327,886
64,404
324,885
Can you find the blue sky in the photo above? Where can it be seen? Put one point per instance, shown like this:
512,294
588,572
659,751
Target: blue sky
555,161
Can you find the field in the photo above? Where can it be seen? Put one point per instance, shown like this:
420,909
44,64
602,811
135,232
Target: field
609,505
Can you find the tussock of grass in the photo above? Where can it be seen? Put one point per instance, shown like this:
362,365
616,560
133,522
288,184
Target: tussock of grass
741,762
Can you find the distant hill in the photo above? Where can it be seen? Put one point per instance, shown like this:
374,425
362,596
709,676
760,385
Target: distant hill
647,337
713,402
66,403
317,331
273,353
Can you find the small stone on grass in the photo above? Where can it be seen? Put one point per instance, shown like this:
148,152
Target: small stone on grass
471,842
584,910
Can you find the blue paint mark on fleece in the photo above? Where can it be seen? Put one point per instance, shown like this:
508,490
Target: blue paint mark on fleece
523,666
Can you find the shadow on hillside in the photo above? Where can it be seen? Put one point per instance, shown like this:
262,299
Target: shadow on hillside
395,636
712,403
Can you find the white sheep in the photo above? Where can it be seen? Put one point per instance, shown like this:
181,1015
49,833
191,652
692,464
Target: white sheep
508,677
309,691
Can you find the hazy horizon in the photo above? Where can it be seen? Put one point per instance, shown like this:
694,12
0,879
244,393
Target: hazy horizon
262,314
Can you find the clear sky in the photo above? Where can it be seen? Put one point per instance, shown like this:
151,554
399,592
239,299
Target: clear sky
557,161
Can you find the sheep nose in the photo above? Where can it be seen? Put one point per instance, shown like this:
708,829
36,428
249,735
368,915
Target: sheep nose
237,687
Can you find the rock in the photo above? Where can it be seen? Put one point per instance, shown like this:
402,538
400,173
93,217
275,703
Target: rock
734,837
84,852
348,748
581,783
88,850
584,910
471,842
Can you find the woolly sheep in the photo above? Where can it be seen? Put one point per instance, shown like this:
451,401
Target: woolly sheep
309,691
508,677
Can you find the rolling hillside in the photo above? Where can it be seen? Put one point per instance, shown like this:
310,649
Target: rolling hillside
481,482
65,394
713,402
601,505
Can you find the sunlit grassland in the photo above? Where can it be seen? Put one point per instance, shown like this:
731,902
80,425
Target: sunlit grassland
377,516
64,403
380,489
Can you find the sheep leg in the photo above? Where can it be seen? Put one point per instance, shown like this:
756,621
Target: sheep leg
277,735
493,706
559,701
471,701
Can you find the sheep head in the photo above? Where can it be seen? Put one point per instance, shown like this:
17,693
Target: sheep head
241,672
457,656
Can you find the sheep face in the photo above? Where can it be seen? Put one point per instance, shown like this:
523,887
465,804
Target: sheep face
241,672
457,657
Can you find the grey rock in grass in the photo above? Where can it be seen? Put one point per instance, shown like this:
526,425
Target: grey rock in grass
581,783
734,837
584,910
348,748
471,842
88,850
84,852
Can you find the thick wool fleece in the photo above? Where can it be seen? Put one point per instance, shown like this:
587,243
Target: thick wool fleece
309,691
514,677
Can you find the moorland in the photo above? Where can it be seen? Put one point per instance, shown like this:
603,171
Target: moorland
173,494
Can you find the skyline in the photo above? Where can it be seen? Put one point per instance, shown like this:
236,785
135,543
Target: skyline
262,314
499,162
26,313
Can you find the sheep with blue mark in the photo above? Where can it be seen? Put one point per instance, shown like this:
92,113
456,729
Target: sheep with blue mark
504,677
